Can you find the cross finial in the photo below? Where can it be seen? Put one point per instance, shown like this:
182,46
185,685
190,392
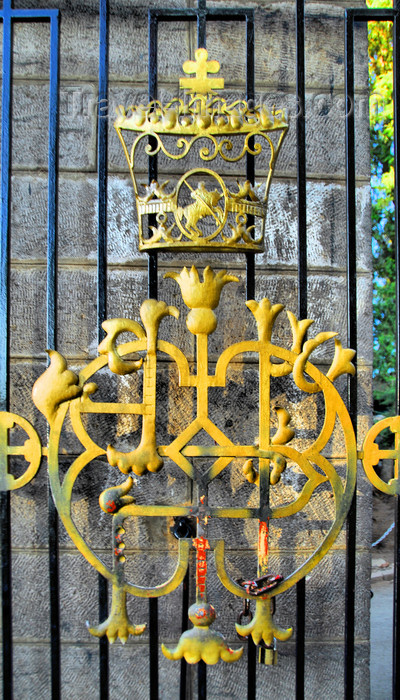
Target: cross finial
201,84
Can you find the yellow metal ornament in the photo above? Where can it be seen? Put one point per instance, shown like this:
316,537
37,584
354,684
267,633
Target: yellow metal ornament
372,454
202,209
201,84
31,450
265,457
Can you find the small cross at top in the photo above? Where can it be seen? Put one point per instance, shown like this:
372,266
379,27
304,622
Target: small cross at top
201,84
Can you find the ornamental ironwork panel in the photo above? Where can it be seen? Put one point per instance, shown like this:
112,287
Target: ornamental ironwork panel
202,210
265,456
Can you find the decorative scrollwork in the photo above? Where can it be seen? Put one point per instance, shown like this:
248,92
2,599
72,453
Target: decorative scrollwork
228,131
265,461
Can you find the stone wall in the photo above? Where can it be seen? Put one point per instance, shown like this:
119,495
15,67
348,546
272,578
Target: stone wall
276,277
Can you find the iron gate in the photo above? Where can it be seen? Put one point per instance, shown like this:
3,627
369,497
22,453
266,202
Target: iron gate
202,15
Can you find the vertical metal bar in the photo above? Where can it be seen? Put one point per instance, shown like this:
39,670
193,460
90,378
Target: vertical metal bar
152,268
5,204
5,524
202,680
301,286
153,291
396,604
103,642
102,153
153,634
300,636
396,112
185,606
102,149
201,24
52,343
250,81
54,599
251,669
250,275
153,59
250,294
250,167
301,159
52,186
352,340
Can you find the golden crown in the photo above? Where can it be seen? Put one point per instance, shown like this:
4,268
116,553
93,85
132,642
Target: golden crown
203,210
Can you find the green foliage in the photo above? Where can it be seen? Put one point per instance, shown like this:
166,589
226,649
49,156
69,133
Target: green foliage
383,229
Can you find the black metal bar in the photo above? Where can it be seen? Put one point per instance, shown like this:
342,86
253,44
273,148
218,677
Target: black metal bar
250,294
5,522
5,204
152,290
250,276
396,602
153,27
301,286
251,669
153,634
102,154
152,267
213,14
301,159
55,647
53,523
300,636
152,263
5,525
52,208
250,166
202,680
250,80
352,340
201,24
29,15
396,582
351,17
7,15
350,601
373,14
184,626
103,642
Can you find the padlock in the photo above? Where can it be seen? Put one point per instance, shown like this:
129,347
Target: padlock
268,655
183,528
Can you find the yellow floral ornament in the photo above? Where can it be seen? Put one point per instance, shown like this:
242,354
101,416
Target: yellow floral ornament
262,626
201,297
117,624
201,643
56,385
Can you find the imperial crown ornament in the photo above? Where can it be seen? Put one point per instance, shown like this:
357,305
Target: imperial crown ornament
203,210
273,455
